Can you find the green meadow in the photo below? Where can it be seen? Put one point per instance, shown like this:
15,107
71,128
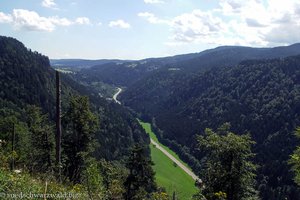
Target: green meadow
168,175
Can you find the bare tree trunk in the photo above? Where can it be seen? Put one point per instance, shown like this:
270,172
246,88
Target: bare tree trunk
58,124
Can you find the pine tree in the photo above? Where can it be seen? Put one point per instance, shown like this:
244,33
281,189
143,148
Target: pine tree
78,139
140,180
40,150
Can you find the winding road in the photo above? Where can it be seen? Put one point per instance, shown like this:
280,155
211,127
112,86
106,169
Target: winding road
184,168
179,164
116,95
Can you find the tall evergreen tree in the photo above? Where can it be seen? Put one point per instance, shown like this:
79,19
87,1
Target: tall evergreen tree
78,138
40,150
140,180
228,171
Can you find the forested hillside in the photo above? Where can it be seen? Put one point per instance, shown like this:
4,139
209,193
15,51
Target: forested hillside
99,138
260,97
195,102
27,79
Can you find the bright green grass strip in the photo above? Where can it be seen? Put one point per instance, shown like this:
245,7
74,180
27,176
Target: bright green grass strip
147,127
167,175
170,177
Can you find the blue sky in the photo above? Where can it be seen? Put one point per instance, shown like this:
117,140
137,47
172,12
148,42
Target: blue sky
136,29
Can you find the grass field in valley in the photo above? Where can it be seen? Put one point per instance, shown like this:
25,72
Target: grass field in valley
168,175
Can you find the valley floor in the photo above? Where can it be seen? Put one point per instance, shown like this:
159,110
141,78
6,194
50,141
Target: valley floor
171,173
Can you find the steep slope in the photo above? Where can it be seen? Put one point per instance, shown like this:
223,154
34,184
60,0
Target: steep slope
27,78
260,96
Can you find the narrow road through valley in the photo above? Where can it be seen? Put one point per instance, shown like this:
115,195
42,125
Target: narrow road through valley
184,168
116,95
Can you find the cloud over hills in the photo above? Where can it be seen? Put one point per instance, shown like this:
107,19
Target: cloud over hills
236,22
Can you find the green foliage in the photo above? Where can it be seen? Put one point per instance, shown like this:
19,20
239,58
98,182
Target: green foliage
13,185
26,78
295,159
40,141
93,181
261,97
159,196
7,126
27,85
140,180
113,177
78,139
228,172
32,140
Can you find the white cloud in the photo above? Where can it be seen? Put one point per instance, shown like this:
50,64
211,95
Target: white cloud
150,17
60,21
83,20
237,22
4,18
48,3
30,20
119,23
27,20
268,23
153,1
196,26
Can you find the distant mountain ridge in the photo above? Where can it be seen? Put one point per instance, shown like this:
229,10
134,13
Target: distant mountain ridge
127,73
86,63
81,63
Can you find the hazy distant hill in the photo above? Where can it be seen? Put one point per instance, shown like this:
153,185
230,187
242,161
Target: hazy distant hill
81,63
126,73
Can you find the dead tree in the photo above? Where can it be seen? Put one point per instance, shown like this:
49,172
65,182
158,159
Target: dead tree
58,125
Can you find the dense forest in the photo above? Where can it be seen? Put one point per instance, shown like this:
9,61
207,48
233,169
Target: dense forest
260,97
28,79
102,143
256,90
231,113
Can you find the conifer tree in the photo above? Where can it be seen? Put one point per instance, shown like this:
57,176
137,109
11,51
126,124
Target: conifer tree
78,140
140,180
40,150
